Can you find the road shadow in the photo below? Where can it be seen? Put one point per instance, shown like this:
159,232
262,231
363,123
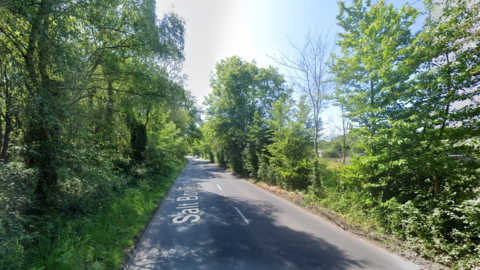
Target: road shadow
216,171
223,240
265,244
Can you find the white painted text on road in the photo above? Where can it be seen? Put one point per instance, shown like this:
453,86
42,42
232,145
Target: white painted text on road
189,206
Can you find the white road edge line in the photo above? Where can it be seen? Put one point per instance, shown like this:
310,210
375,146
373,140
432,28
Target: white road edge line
219,187
242,215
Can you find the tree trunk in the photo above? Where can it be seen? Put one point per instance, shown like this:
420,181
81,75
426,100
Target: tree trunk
6,137
42,134
344,130
315,136
1,131
4,86
110,100
315,146
138,138
372,105
7,118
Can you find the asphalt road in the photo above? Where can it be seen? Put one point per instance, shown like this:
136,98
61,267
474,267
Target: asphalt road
211,219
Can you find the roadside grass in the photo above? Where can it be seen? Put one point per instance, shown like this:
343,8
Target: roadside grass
103,239
348,207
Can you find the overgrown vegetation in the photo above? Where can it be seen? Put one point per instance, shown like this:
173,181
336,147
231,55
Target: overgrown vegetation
95,122
101,238
413,103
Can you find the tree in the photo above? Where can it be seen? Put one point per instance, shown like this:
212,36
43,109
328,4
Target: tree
309,74
345,126
291,141
416,100
91,102
370,87
72,62
410,123
240,91
371,82
11,103
444,92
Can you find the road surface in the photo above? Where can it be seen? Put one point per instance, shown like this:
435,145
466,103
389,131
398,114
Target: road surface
211,219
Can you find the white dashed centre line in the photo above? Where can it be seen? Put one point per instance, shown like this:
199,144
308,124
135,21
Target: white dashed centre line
219,187
246,221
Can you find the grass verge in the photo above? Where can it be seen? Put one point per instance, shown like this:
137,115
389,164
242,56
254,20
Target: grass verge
102,240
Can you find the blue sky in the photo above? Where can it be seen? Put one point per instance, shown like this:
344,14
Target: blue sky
251,29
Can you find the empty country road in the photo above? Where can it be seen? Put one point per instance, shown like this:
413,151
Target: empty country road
211,219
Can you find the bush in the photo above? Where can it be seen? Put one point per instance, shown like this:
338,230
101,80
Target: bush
330,154
265,172
16,191
444,230
95,240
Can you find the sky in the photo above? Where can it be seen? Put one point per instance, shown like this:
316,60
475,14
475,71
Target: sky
251,29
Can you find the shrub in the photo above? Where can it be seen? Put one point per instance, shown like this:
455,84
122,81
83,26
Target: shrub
330,154
16,191
445,230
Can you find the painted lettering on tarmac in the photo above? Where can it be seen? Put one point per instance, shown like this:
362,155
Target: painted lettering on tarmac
188,205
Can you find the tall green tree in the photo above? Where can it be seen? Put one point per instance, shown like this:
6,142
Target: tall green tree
240,90
445,94
309,75
289,154
416,98
437,156
74,60
371,80
369,84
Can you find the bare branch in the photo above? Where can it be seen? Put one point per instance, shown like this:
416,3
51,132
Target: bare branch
308,72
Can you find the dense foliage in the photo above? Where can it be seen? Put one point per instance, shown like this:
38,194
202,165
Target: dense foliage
92,104
93,113
242,98
415,98
255,128
411,104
